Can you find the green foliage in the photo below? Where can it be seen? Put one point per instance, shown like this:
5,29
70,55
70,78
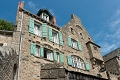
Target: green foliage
5,25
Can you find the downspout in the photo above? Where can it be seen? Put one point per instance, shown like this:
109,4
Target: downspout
20,44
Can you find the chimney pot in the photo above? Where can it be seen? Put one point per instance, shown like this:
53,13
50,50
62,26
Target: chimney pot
21,4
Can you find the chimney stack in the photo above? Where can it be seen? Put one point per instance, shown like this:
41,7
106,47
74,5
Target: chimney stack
54,20
21,4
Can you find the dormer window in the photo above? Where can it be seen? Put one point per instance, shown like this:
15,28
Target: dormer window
45,16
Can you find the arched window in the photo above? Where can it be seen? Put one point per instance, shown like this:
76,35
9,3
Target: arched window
77,62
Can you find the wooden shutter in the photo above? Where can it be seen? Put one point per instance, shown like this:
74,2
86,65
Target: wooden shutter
69,42
60,38
31,25
55,56
69,60
32,48
44,30
79,46
61,58
50,34
87,66
41,51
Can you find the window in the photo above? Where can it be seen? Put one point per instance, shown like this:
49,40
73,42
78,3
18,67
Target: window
72,31
95,48
74,44
37,50
37,30
77,62
58,57
55,36
81,36
45,16
48,54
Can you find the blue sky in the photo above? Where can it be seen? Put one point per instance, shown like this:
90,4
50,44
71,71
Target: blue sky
101,18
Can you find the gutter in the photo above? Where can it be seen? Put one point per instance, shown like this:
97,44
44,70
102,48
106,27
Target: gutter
20,44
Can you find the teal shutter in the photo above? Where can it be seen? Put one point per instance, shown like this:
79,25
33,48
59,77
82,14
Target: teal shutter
50,34
60,38
44,30
69,42
69,60
87,66
55,56
31,25
79,46
61,58
32,48
41,51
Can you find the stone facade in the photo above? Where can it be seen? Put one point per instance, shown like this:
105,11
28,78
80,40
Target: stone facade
8,63
39,42
112,64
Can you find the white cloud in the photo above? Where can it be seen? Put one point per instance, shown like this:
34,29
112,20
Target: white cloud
33,6
107,47
110,39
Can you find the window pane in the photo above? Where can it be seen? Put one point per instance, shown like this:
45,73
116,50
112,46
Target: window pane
49,55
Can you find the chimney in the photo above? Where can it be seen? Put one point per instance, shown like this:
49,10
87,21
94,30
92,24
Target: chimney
54,20
21,4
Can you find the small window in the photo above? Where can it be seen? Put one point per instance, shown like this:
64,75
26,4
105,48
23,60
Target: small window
37,50
72,31
55,36
58,57
37,29
81,36
79,27
95,48
74,44
48,54
45,16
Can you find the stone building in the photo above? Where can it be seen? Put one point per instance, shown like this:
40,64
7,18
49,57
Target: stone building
112,64
47,52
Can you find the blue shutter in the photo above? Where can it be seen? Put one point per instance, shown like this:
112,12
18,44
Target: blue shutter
31,25
69,42
44,30
55,56
79,46
87,66
61,58
32,48
50,34
60,38
41,51
69,60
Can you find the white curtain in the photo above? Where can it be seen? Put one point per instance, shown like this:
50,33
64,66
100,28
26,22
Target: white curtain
49,55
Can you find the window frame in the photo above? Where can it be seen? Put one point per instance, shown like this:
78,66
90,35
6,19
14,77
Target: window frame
76,45
38,25
46,54
57,37
77,62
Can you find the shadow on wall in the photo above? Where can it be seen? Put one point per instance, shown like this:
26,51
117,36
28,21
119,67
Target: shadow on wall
8,63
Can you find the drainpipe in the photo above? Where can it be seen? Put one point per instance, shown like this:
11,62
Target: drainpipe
20,45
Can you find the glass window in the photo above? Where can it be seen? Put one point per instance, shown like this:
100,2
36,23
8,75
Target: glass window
45,16
37,29
77,62
55,36
48,54
37,51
